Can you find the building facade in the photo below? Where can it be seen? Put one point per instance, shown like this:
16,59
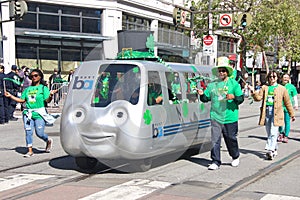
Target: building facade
63,33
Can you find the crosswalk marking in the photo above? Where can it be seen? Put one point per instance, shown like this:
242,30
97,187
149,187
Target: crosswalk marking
20,179
131,190
278,197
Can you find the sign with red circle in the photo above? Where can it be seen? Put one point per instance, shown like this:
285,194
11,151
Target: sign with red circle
225,20
208,40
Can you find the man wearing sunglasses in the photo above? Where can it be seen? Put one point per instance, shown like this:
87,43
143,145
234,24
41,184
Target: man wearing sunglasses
225,95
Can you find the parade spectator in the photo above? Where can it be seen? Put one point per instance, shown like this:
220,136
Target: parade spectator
26,83
13,86
225,95
3,109
35,114
70,75
54,81
236,74
271,116
21,73
292,91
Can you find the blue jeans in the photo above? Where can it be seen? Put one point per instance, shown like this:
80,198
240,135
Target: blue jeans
229,132
34,124
272,131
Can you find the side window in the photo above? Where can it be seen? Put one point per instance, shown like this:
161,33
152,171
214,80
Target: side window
191,84
154,89
174,87
102,88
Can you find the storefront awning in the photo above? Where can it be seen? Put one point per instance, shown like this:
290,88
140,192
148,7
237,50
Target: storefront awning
61,35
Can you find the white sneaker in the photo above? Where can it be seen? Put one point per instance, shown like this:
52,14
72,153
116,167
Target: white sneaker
213,166
275,153
235,162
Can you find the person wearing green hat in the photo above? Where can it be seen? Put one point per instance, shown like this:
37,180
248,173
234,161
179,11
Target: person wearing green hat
225,95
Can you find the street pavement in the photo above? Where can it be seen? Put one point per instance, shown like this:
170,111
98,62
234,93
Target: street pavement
254,178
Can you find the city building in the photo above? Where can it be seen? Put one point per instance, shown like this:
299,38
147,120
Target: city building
62,34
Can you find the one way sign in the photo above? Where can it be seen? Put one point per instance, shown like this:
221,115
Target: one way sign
225,20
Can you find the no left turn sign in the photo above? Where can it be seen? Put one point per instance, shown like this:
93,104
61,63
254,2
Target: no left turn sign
225,20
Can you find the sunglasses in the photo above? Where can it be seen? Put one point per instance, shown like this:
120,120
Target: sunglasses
273,77
222,70
33,75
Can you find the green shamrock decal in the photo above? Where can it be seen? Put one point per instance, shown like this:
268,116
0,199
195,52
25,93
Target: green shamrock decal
147,117
150,44
135,70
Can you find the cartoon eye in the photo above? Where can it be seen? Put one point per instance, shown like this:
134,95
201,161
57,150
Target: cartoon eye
120,115
78,115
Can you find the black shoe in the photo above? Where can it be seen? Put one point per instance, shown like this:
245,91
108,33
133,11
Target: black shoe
13,119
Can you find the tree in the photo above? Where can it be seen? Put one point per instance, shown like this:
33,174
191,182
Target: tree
274,26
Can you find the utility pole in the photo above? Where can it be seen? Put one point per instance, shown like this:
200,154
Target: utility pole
17,9
210,18
1,36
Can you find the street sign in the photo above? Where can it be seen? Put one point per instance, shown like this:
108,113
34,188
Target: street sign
209,45
225,20
208,40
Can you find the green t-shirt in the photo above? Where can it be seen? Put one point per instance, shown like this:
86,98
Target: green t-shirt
35,97
292,91
270,97
222,110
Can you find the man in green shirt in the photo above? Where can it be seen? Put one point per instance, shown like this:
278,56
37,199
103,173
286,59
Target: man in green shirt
292,91
225,95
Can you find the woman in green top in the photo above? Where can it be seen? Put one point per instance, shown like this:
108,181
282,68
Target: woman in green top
35,97
292,91
271,115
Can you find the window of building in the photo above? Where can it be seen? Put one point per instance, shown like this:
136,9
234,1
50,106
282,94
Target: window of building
71,24
135,23
61,18
27,51
48,22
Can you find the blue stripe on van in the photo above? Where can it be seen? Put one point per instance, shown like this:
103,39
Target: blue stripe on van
178,128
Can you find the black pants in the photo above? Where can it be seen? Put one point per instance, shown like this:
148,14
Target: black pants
10,105
229,132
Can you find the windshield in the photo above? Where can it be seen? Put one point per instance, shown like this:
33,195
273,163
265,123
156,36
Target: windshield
117,82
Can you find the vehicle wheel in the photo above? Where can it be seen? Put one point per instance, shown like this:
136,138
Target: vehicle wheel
86,162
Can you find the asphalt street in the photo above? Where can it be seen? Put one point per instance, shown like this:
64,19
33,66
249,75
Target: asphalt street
254,178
